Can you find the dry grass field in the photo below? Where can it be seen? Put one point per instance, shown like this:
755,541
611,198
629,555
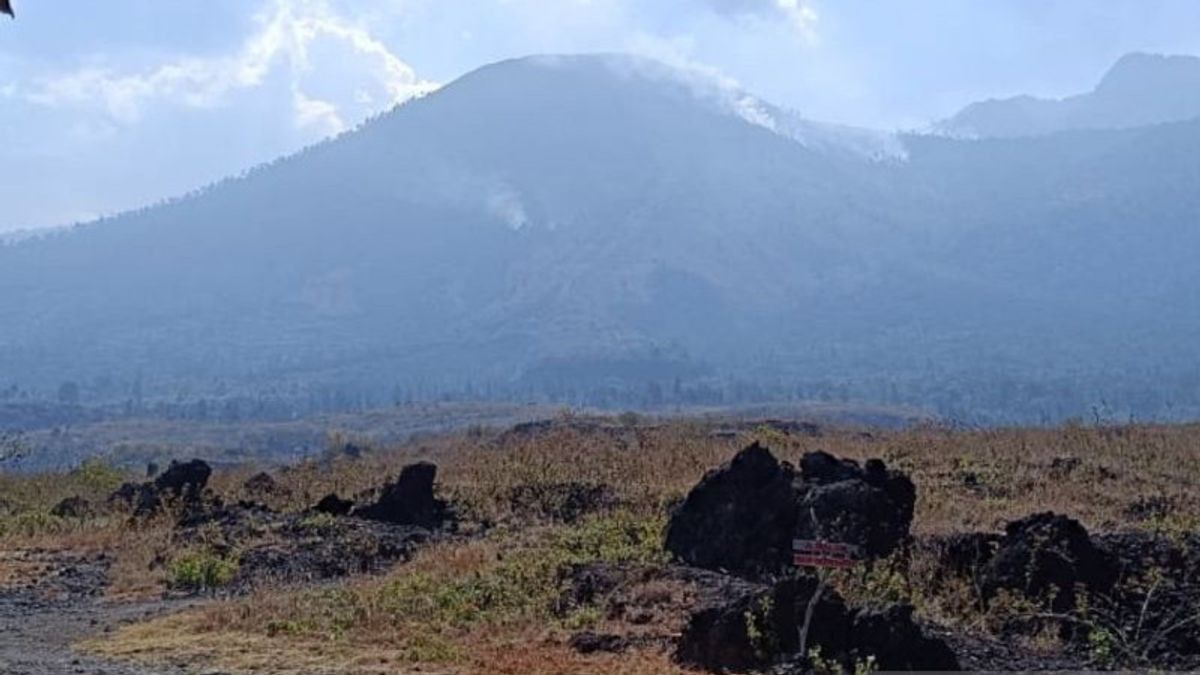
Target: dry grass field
485,601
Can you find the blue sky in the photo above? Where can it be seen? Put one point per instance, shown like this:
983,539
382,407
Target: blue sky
112,105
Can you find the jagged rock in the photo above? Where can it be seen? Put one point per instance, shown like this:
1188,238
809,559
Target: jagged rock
896,641
181,481
1163,610
560,502
184,479
139,498
753,626
73,507
409,500
588,642
743,517
334,505
869,507
762,626
1045,557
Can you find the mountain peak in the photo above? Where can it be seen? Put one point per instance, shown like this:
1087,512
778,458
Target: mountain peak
1140,89
1153,73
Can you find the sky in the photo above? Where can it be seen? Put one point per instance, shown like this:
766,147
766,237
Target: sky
114,105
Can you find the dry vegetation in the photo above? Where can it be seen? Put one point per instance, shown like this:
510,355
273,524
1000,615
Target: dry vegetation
487,603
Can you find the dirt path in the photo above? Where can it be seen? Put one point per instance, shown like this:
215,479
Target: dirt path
41,618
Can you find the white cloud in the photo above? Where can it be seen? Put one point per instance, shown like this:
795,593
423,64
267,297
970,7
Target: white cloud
801,14
288,31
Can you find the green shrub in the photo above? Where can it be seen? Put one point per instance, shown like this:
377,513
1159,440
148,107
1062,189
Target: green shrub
97,476
32,524
202,570
524,583
318,522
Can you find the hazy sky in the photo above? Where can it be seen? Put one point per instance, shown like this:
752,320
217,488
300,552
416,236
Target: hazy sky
110,105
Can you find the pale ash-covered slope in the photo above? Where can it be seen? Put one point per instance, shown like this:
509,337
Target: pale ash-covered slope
1140,90
540,207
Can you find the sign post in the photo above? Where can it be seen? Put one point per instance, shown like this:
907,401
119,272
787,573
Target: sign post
823,556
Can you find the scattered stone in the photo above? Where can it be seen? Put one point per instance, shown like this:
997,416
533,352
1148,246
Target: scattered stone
409,500
73,507
302,555
334,505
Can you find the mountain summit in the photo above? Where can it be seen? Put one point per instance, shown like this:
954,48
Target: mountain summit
602,227
1141,89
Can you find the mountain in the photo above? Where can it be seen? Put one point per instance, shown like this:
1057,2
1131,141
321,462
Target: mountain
606,229
1141,89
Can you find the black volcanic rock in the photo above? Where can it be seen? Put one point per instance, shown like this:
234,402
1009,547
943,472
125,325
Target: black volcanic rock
334,505
183,479
753,627
897,642
740,518
743,517
1047,556
409,500
869,507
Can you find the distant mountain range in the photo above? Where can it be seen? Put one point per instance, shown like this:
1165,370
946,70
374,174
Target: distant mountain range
1141,89
603,228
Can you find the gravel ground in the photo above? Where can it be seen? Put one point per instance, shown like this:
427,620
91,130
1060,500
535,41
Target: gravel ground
41,620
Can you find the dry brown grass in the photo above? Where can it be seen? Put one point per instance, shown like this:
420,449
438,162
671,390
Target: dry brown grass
1091,473
966,480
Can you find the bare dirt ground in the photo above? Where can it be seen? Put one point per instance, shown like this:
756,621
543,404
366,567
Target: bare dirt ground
53,600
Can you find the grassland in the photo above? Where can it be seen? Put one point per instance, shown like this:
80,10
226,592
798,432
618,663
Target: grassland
486,602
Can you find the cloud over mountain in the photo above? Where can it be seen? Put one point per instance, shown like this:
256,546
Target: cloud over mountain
288,33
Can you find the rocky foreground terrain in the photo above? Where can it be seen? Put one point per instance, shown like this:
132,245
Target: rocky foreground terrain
588,545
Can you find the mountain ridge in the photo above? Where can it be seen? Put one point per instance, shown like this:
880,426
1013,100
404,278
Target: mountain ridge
1141,89
545,227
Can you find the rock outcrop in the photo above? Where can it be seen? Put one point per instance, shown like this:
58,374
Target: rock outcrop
743,517
182,483
409,500
1047,556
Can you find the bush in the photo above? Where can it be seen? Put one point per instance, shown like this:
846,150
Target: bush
98,477
203,570
32,524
